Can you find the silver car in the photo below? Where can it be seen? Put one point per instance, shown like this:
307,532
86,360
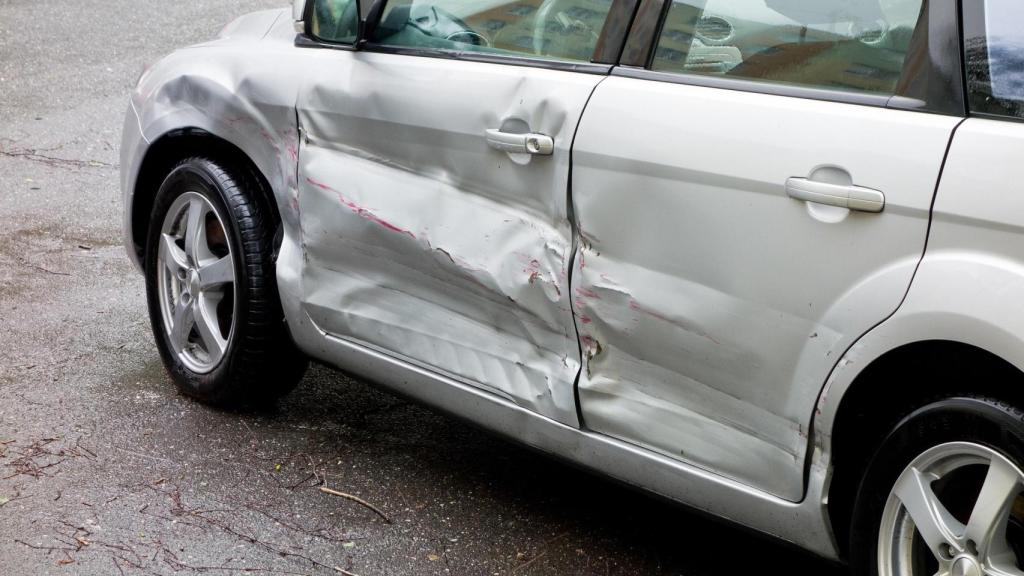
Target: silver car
761,257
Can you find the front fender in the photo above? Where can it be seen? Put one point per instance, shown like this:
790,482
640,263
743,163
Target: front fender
242,90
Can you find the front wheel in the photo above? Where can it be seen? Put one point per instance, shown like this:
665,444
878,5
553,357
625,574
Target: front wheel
944,495
211,287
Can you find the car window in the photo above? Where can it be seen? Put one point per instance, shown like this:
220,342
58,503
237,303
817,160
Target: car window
994,55
854,45
558,29
336,20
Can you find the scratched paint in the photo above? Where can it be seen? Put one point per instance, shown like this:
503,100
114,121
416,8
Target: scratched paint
711,305
424,242
644,349
249,102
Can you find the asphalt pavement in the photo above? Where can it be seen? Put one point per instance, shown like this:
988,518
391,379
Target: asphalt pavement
105,469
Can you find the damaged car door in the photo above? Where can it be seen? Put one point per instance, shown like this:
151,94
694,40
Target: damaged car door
433,187
757,207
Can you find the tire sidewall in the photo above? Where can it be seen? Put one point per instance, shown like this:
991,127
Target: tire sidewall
962,419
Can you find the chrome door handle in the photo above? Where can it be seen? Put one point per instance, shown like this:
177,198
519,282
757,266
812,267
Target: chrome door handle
852,197
530,143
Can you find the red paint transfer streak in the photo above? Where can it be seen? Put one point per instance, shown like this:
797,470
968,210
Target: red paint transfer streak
270,140
360,211
588,293
586,319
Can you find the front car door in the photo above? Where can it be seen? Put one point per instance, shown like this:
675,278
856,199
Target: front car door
749,202
433,187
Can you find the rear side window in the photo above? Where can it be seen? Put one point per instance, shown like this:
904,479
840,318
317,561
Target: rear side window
555,29
994,56
851,45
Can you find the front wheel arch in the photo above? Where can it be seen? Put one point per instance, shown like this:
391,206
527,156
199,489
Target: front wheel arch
165,153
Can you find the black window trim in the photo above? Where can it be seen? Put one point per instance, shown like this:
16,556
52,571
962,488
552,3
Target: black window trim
947,98
491,58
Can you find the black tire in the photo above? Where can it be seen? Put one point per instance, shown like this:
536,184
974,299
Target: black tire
260,362
983,421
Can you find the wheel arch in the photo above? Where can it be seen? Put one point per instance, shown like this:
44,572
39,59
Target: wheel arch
904,378
166,152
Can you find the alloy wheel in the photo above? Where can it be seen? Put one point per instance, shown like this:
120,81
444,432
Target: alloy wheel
196,282
956,510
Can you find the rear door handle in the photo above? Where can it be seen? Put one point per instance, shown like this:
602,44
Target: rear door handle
539,144
852,197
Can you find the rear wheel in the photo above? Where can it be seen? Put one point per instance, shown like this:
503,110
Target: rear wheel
944,495
210,282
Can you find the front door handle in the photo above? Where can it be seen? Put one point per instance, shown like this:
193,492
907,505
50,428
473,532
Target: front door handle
529,143
852,197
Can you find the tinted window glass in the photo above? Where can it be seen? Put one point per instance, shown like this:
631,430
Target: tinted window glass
994,54
560,29
336,20
853,45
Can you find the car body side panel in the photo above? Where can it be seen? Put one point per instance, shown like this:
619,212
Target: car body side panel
421,240
711,306
218,87
970,283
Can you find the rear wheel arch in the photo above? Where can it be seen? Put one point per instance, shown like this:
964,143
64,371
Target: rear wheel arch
892,387
165,153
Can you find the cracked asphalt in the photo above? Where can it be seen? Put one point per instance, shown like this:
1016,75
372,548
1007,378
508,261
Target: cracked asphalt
105,469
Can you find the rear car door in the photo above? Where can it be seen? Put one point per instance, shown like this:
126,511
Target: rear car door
752,195
433,187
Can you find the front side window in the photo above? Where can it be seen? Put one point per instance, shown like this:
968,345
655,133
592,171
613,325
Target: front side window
554,29
994,56
850,45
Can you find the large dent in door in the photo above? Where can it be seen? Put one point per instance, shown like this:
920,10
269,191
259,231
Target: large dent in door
423,242
453,311
645,348
488,303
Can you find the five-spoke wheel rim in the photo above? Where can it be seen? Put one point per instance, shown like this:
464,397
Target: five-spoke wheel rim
196,279
956,510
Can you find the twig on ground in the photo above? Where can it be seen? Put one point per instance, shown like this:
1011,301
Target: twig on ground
357,500
41,269
35,155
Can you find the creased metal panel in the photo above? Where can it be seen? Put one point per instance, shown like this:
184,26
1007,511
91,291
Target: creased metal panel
218,87
650,355
422,241
711,307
